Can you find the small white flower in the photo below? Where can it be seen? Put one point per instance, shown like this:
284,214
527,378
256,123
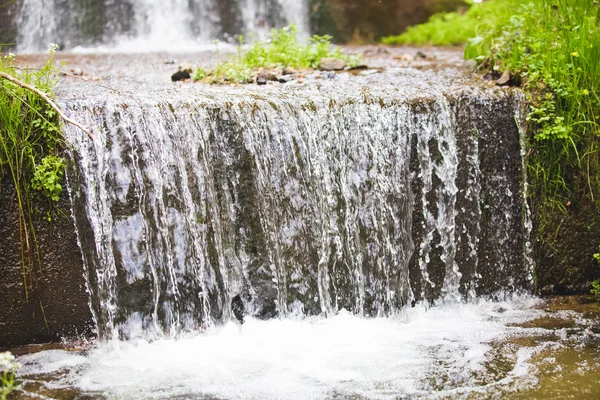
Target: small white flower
7,363
52,47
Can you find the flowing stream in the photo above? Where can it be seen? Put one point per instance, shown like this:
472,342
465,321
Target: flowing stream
360,237
277,204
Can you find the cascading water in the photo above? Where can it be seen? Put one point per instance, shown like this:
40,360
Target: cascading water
328,215
189,210
150,25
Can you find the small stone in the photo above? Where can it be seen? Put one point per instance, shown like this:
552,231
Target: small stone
420,54
357,67
287,71
169,62
180,76
261,81
332,64
328,75
369,72
267,76
376,51
186,66
285,78
504,79
404,57
77,72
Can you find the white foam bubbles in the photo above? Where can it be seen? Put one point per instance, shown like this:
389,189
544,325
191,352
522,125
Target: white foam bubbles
310,358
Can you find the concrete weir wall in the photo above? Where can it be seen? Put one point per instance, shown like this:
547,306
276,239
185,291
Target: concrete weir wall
488,144
58,302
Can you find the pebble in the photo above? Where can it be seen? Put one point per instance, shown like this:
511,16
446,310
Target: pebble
332,64
180,76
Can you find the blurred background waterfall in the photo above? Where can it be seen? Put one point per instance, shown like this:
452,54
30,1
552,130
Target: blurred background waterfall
152,25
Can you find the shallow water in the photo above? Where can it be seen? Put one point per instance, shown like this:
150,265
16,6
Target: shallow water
523,348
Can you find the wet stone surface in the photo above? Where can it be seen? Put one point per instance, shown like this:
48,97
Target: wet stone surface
309,196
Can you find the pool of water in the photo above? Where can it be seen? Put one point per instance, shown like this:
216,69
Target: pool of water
522,348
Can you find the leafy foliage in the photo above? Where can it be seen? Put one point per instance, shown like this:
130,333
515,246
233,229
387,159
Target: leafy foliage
282,50
553,48
30,144
443,29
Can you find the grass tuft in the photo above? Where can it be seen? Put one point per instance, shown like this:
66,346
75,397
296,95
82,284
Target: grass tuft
30,147
282,50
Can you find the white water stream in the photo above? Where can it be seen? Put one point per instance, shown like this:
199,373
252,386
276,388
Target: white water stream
441,352
362,195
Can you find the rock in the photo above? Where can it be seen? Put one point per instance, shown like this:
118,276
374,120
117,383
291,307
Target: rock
267,76
328,75
420,54
180,76
77,72
504,79
376,51
369,72
285,78
404,57
357,67
237,306
288,71
169,62
186,66
261,81
332,64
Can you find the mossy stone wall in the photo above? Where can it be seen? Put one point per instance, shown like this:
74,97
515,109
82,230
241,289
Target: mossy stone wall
58,300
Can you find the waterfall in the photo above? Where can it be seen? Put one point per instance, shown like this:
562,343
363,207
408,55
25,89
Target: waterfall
294,204
151,25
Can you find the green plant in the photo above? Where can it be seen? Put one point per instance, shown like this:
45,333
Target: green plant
30,147
553,49
282,50
442,29
595,290
8,367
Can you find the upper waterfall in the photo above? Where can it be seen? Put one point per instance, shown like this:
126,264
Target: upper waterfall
197,204
151,25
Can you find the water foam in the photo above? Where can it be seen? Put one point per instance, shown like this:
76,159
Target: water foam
425,352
